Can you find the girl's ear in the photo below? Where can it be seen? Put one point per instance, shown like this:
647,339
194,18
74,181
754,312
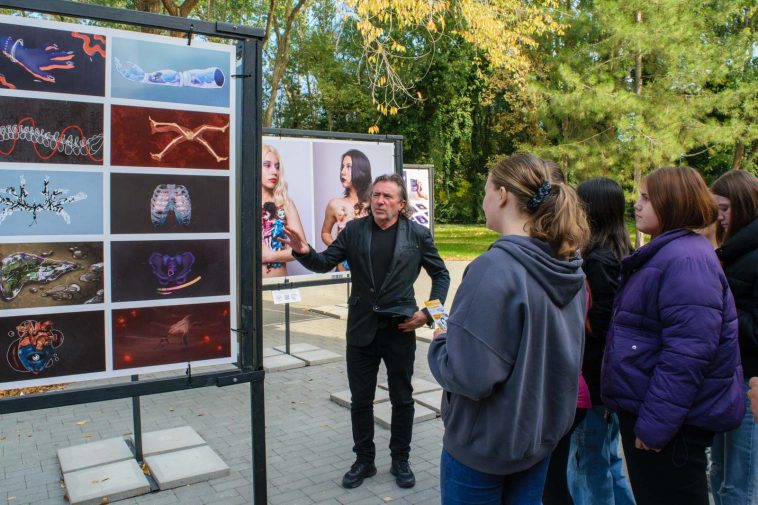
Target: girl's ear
503,195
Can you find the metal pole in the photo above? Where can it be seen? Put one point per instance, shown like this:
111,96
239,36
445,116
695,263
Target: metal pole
136,415
251,205
286,322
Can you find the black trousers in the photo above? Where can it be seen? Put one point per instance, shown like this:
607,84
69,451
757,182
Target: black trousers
398,350
674,476
556,490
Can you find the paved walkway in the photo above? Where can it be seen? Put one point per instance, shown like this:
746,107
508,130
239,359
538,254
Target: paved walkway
308,436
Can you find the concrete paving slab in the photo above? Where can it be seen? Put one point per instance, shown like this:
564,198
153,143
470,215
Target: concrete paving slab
318,357
188,466
383,414
419,386
281,362
295,348
424,334
106,483
342,398
336,311
92,454
431,400
173,439
270,351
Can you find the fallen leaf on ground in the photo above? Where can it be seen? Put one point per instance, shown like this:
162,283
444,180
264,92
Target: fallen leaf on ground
82,422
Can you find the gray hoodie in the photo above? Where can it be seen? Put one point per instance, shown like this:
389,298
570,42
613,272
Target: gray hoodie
509,362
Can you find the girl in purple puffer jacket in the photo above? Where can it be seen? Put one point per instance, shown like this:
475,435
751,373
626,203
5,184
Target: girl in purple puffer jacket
671,366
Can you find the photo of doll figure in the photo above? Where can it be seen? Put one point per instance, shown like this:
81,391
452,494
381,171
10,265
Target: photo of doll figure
278,210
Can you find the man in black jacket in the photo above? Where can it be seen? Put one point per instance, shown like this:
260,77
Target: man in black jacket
386,252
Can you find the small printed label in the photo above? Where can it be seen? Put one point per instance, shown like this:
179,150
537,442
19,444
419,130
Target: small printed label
438,312
286,296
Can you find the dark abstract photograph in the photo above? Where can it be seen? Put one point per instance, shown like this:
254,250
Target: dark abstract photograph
51,274
51,345
164,269
142,203
54,61
146,137
50,131
175,334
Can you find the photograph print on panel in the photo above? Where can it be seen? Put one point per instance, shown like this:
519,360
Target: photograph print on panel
51,345
146,137
163,269
152,336
147,203
50,131
165,72
40,202
51,274
56,61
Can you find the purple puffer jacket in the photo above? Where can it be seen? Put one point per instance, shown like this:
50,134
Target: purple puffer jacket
672,355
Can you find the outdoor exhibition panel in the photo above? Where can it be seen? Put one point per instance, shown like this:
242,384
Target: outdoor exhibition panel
129,208
117,203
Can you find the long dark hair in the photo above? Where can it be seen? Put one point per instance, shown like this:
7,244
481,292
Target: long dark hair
603,201
741,189
360,174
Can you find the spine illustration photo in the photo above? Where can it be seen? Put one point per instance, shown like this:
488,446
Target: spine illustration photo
212,77
75,143
16,200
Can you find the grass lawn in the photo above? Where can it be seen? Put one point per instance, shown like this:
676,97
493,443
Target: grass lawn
462,241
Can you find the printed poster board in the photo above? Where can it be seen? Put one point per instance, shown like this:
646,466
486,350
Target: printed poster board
117,203
420,194
316,185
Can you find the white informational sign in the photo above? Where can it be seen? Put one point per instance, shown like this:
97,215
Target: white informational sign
417,181
286,296
315,186
117,203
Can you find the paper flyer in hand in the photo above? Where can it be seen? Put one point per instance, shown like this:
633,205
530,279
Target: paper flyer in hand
438,312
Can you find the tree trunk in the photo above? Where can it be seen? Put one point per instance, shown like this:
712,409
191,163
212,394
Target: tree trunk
739,155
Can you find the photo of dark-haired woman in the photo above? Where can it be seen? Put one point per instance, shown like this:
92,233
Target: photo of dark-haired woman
355,177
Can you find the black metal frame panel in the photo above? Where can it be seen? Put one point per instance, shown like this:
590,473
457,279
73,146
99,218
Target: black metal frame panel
250,358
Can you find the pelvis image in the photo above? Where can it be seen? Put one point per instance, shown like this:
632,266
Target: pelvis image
174,334
49,274
149,270
160,203
51,345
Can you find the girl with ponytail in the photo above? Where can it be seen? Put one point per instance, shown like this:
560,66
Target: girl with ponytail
509,359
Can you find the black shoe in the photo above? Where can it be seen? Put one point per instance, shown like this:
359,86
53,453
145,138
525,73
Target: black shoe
357,473
403,474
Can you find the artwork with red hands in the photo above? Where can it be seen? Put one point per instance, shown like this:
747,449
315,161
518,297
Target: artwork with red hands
56,61
146,137
170,334
50,131
51,345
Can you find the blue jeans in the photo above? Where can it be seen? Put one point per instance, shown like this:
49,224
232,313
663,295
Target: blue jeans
595,471
734,463
461,485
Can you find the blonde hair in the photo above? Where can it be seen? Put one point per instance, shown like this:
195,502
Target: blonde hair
555,214
281,198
